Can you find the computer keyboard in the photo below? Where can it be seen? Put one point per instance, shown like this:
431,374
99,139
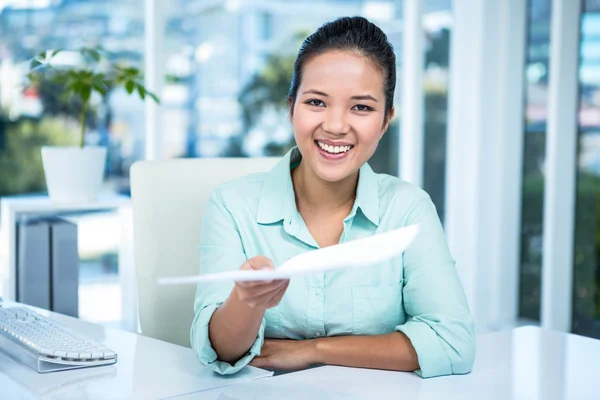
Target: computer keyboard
46,345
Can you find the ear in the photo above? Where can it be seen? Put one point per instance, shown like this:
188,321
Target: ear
387,121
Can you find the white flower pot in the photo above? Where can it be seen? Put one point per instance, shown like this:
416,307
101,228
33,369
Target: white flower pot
73,174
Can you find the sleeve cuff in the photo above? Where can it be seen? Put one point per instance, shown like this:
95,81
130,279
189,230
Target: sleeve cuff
433,360
205,352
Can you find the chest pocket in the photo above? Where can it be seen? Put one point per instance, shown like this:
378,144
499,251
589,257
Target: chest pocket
377,309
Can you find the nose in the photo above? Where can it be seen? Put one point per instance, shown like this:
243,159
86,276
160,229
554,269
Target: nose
335,122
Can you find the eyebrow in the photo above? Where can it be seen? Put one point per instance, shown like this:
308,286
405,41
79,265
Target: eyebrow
361,97
318,93
364,97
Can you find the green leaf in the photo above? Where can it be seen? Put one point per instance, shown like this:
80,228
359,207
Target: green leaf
129,86
55,52
98,77
141,91
99,88
60,78
130,73
42,55
86,91
153,96
75,87
87,52
95,55
34,63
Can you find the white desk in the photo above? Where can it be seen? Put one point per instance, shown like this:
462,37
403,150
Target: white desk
146,369
526,363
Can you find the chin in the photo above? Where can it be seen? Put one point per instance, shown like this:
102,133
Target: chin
332,173
331,170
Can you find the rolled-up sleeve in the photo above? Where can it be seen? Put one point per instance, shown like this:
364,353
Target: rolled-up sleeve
220,249
439,325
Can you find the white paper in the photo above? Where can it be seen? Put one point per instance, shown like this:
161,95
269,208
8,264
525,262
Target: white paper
357,253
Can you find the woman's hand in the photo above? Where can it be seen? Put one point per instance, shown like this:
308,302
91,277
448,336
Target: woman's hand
260,294
286,354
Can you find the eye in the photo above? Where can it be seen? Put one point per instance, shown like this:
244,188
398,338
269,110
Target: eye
362,107
316,103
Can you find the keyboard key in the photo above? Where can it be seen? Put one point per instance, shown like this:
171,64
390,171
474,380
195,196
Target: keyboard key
46,352
109,354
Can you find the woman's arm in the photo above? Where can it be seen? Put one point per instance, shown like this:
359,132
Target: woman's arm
228,326
392,351
234,326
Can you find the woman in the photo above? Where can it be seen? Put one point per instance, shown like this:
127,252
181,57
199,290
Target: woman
408,314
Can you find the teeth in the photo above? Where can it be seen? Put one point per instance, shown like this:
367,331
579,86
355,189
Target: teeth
333,149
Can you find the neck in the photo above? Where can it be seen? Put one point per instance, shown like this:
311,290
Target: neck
322,197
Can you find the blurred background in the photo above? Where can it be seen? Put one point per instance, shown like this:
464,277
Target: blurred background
227,66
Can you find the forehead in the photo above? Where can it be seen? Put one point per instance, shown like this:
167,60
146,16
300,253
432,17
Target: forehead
338,73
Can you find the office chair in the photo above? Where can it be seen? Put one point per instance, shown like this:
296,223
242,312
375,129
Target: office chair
168,200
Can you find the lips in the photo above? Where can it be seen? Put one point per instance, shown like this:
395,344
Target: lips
332,153
333,142
333,149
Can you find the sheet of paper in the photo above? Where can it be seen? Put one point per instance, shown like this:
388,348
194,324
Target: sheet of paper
357,253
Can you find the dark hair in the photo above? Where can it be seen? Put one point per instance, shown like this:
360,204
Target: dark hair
355,34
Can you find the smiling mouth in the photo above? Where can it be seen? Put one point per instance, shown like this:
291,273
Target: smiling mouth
333,149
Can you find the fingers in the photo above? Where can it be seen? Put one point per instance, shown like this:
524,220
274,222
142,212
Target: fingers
260,291
254,284
269,299
263,294
256,263
259,262
265,301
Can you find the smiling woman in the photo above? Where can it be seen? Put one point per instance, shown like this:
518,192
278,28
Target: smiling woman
405,314
339,115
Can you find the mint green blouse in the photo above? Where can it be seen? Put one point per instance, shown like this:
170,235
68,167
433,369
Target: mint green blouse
418,293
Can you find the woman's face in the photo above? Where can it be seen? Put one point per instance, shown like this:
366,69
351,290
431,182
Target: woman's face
339,114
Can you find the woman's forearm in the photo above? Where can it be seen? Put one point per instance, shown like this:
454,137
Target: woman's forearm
233,328
392,351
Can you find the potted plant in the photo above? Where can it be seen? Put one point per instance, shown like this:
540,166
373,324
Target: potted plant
75,174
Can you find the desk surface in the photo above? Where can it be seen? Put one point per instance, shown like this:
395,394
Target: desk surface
525,363
146,369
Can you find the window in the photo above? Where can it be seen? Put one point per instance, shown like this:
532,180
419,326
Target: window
229,69
586,278
31,118
437,22
536,80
